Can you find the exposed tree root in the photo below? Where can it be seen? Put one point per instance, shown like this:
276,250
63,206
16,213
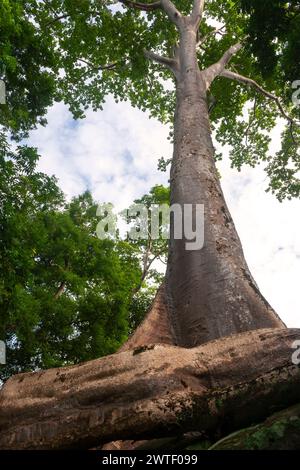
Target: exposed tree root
156,327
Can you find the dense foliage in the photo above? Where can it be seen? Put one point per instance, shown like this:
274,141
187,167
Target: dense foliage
65,295
80,51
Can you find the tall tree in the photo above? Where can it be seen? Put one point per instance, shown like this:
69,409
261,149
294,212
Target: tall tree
209,293
80,51
28,66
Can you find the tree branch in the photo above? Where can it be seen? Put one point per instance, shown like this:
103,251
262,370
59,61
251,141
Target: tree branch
216,69
171,64
141,6
146,267
167,5
254,84
173,14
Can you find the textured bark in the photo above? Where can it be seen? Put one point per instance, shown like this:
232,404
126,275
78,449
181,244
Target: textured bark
161,391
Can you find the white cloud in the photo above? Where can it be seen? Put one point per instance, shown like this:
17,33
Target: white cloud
114,153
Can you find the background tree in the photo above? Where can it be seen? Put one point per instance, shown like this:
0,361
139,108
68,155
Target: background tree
151,249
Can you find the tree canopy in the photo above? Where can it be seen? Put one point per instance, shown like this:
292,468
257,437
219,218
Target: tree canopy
274,32
28,66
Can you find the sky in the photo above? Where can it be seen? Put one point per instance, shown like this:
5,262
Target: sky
114,154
